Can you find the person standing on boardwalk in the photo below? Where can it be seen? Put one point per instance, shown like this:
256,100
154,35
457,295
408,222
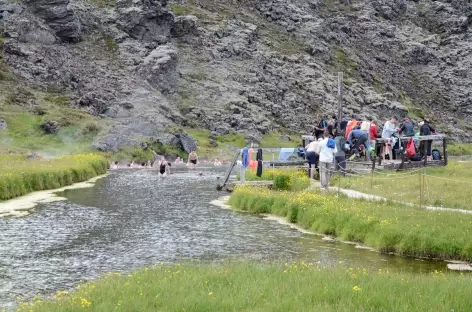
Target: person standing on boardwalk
388,130
320,128
407,128
340,154
425,130
312,157
373,133
326,150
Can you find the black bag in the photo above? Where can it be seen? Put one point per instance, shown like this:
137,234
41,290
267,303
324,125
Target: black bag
436,154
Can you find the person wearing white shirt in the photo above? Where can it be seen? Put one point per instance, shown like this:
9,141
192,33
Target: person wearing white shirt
326,150
388,130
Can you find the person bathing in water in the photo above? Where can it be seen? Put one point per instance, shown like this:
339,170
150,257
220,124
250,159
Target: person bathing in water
192,159
217,162
163,165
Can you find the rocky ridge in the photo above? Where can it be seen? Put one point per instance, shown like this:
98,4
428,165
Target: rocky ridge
246,66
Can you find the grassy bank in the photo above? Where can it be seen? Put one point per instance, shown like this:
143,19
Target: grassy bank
385,226
19,176
443,186
264,287
288,180
460,149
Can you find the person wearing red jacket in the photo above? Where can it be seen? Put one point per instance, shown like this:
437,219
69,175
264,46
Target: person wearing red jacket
374,132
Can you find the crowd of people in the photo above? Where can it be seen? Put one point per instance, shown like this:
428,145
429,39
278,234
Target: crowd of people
335,140
163,164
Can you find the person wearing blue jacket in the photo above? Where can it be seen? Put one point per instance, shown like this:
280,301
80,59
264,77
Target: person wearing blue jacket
357,138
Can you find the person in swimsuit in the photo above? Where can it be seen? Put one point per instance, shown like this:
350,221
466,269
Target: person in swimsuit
192,159
163,167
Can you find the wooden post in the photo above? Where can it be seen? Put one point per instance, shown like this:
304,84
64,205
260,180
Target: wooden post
445,151
425,149
340,100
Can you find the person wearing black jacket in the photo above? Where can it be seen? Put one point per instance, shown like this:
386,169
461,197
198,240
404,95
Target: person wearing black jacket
259,162
426,129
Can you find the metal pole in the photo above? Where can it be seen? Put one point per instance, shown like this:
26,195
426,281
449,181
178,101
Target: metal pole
340,100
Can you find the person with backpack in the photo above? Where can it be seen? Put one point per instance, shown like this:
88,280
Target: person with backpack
321,127
425,130
326,150
340,154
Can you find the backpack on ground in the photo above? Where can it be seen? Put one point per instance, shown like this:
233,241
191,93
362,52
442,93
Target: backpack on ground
436,154
410,148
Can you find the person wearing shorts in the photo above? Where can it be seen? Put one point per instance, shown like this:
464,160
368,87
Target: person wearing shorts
192,159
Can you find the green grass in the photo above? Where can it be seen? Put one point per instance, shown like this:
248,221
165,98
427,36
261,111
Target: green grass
141,155
460,149
406,185
280,40
273,140
103,3
24,133
343,62
19,176
226,144
385,226
291,179
263,287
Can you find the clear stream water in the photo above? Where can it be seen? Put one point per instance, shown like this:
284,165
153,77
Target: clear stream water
131,218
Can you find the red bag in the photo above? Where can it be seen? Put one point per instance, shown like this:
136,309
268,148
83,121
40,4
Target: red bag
410,148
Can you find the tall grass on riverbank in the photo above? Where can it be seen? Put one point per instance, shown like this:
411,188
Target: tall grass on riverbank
448,187
264,287
19,176
386,226
284,179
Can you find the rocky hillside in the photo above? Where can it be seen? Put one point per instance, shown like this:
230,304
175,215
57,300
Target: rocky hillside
249,66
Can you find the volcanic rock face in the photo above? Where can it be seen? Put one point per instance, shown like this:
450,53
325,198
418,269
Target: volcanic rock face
251,66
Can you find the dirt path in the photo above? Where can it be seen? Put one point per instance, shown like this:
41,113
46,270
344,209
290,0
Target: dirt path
356,194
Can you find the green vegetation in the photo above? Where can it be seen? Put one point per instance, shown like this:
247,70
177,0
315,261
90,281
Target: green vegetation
24,134
343,62
293,180
181,9
198,74
385,226
110,43
225,144
19,176
273,140
448,187
280,40
459,149
263,287
140,155
103,3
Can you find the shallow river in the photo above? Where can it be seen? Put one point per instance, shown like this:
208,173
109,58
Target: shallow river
132,218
